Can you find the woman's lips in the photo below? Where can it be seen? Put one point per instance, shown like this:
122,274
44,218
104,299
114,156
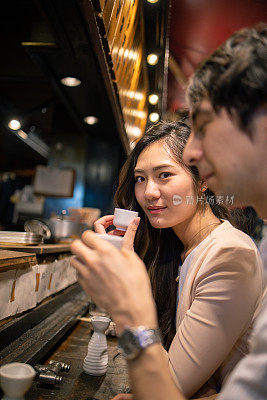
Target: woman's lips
156,210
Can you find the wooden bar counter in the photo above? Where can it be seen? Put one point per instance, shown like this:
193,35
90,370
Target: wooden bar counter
29,274
39,249
16,259
53,328
76,384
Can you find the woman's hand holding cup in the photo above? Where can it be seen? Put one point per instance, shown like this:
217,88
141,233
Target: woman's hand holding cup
103,223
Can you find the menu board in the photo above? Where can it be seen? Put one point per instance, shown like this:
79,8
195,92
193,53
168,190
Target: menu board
54,182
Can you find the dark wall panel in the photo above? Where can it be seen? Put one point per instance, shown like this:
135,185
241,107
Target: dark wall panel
101,174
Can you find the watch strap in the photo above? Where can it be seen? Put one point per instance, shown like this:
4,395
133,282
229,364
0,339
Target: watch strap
148,336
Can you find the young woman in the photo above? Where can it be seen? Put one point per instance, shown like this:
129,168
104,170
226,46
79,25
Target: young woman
206,275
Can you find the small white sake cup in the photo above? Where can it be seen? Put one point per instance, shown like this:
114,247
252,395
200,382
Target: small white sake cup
16,378
122,218
115,240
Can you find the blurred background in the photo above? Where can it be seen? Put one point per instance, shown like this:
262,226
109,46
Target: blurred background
81,80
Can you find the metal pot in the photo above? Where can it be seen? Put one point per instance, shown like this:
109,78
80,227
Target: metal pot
56,228
63,227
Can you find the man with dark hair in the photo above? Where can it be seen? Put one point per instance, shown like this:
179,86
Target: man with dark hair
234,76
228,144
228,102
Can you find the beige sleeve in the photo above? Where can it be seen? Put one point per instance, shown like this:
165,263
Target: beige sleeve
226,293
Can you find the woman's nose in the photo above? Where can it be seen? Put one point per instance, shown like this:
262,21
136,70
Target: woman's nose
193,151
152,190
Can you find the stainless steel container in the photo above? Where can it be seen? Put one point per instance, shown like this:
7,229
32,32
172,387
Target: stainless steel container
63,227
56,228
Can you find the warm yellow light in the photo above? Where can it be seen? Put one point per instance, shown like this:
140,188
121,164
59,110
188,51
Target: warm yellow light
138,96
131,54
134,113
22,134
154,117
90,120
70,81
152,59
14,124
133,131
153,99
152,1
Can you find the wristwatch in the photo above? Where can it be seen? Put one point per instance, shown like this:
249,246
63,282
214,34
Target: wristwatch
134,340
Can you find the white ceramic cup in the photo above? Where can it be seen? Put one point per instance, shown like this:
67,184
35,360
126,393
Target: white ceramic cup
100,323
122,218
16,378
115,240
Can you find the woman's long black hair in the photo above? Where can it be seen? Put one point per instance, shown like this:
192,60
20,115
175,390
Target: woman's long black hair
160,249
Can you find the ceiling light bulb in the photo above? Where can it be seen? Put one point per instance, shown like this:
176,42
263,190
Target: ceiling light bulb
90,120
154,117
152,1
153,99
152,59
70,81
14,124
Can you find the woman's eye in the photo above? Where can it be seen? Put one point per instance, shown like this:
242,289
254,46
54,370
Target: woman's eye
138,179
165,175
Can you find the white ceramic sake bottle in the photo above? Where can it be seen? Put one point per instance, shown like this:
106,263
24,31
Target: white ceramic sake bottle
96,361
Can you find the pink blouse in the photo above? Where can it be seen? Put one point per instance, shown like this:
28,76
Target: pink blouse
220,299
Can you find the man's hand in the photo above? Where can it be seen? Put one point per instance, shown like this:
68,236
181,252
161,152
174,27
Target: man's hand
117,281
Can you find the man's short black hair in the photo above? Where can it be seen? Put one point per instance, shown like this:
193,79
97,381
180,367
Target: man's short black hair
234,76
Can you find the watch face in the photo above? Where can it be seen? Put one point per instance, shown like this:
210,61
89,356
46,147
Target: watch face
130,344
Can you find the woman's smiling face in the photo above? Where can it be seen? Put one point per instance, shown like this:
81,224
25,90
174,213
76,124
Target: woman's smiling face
163,187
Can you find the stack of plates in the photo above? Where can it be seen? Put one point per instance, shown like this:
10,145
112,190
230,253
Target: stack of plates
24,238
